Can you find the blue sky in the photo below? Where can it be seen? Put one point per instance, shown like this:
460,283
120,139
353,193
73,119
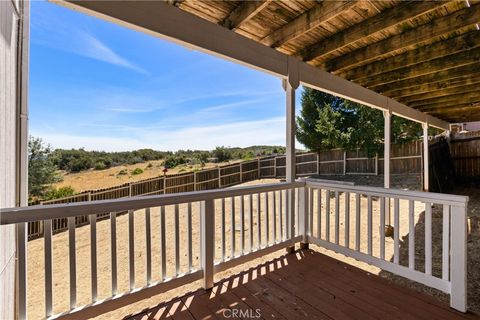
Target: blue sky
97,85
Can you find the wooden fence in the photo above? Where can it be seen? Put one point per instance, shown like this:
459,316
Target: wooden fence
465,152
405,158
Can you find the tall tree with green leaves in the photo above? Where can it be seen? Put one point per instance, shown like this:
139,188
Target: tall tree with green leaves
42,172
327,122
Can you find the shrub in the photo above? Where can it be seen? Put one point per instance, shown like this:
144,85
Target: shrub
149,165
100,166
61,192
222,154
173,161
137,171
122,172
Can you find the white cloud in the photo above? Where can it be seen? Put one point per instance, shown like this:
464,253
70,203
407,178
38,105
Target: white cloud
92,47
238,134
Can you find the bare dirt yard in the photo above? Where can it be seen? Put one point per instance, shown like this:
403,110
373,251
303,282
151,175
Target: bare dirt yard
36,306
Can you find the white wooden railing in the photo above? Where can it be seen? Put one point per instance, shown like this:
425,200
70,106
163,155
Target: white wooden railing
244,223
336,217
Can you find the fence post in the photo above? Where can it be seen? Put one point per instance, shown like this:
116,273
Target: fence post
258,168
241,174
129,189
458,259
344,162
318,164
207,216
219,178
303,216
195,181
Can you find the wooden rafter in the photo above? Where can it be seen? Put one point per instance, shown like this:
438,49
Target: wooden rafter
390,18
307,21
444,75
438,86
453,108
438,27
244,12
439,49
441,93
427,67
469,97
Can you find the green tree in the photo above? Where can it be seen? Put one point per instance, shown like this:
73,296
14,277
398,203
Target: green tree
327,122
222,154
42,172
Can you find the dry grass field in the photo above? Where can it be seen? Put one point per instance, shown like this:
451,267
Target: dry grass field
99,179
60,254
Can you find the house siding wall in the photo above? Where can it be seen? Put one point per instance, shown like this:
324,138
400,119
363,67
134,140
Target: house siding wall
8,110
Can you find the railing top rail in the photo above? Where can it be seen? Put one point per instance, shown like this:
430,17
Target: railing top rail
54,211
433,197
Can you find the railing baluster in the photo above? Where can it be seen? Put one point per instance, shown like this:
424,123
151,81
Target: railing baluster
396,231
163,248
47,235
267,219
280,200
369,223
337,217
319,213
72,262
93,255
189,235
274,217
428,238
131,248
177,239
382,228
22,239
347,219
327,215
259,222
446,243
113,250
310,211
411,235
207,241
148,244
232,234
357,221
250,220
242,225
223,231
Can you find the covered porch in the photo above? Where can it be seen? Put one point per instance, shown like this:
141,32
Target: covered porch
407,71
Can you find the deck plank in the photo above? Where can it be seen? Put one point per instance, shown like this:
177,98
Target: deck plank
304,285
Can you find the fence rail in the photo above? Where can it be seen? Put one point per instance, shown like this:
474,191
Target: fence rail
236,225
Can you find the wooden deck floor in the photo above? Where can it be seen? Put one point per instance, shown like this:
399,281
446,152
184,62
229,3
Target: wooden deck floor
305,285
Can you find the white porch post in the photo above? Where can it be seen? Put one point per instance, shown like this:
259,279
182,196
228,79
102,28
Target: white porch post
290,85
425,157
386,160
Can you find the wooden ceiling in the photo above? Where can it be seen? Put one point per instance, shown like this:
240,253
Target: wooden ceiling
423,54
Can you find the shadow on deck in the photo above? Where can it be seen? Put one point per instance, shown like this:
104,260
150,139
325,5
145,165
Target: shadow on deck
306,285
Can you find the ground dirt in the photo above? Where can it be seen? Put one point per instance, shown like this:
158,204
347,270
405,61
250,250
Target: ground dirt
107,178
36,298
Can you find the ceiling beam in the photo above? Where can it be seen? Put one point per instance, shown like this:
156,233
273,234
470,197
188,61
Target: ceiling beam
444,75
170,23
307,21
427,67
440,26
244,12
425,53
465,98
438,86
451,109
441,93
388,19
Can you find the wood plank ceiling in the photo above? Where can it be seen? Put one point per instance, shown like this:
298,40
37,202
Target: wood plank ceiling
423,54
